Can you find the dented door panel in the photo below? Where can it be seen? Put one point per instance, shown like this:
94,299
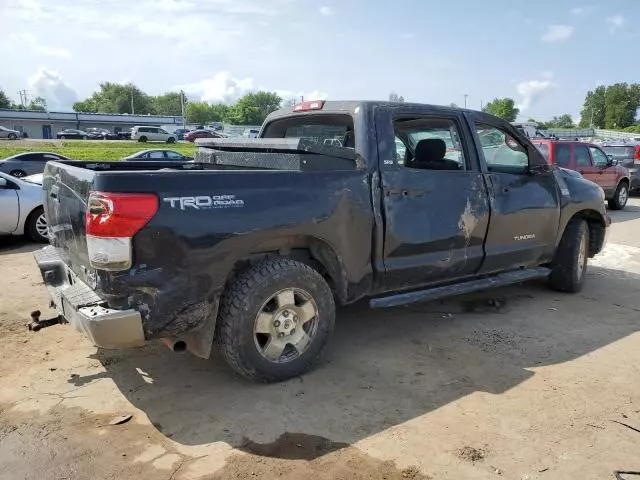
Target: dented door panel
436,222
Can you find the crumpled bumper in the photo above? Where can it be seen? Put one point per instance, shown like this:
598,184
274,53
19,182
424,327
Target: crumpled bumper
85,309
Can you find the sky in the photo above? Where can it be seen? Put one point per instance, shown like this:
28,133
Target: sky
545,54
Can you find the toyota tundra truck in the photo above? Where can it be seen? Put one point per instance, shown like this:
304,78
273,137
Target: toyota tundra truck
249,248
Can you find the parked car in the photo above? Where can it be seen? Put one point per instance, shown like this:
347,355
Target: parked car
250,133
593,163
152,134
124,134
179,133
28,163
628,156
101,134
195,134
8,133
251,252
73,134
21,209
168,155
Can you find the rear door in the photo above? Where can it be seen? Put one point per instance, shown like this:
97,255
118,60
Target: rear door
435,212
525,210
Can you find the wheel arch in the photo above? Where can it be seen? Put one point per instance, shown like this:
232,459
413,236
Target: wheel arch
597,229
316,252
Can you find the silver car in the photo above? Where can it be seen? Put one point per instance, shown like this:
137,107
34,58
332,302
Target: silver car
28,163
21,209
8,133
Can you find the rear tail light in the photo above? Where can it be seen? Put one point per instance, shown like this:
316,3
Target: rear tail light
111,220
636,155
306,106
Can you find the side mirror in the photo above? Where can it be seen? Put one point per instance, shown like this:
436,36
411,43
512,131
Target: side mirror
3,183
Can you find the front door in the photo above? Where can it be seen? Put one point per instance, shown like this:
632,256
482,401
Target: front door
46,131
525,210
608,171
434,200
9,207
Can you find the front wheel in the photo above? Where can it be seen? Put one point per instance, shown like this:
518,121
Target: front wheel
275,320
36,226
620,198
171,140
13,136
62,137
569,267
143,139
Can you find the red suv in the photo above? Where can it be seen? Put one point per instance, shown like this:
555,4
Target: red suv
592,163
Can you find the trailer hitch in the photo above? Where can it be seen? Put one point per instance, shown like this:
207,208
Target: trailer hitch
36,324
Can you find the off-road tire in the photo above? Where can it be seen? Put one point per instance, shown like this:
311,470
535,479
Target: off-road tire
616,203
241,303
18,173
143,139
30,226
566,275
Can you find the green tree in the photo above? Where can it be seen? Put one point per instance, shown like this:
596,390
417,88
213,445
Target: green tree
504,108
167,104
394,97
5,101
116,98
253,108
454,105
592,113
39,104
621,104
563,121
198,112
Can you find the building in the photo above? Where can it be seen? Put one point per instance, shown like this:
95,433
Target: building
46,124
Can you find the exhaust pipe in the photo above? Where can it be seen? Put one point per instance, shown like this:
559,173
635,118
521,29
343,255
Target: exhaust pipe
175,345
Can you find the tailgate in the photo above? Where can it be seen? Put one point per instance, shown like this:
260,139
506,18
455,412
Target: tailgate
65,191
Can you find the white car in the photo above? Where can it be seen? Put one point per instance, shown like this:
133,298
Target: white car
152,134
21,209
8,133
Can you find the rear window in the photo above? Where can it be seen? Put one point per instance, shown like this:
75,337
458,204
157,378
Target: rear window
622,151
335,130
563,155
544,150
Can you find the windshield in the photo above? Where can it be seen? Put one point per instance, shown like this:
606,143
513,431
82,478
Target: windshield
621,151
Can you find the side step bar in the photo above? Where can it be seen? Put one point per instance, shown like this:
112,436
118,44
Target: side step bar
435,293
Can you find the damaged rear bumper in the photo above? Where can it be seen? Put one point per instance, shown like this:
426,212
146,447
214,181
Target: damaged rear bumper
85,309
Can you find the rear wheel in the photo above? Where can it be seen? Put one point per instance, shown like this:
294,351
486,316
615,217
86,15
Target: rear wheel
620,198
36,226
12,136
569,268
18,173
143,139
275,320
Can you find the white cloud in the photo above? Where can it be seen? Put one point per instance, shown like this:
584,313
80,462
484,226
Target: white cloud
615,22
584,10
29,40
531,91
326,11
223,87
50,85
557,33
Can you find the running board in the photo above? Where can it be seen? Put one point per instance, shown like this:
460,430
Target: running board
430,294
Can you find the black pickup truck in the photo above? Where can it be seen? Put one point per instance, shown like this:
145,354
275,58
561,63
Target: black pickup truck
248,248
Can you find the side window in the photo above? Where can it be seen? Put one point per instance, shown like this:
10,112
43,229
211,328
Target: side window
173,155
161,130
428,143
501,151
49,158
599,158
563,155
156,154
582,156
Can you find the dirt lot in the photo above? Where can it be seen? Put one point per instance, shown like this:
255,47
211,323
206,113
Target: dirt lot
543,387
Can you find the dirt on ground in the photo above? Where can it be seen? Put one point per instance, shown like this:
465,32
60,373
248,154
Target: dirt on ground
517,383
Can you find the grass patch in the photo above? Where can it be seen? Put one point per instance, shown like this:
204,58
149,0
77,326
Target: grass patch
93,150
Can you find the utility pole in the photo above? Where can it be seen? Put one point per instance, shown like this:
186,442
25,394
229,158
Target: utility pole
24,100
182,107
481,105
465,100
132,109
